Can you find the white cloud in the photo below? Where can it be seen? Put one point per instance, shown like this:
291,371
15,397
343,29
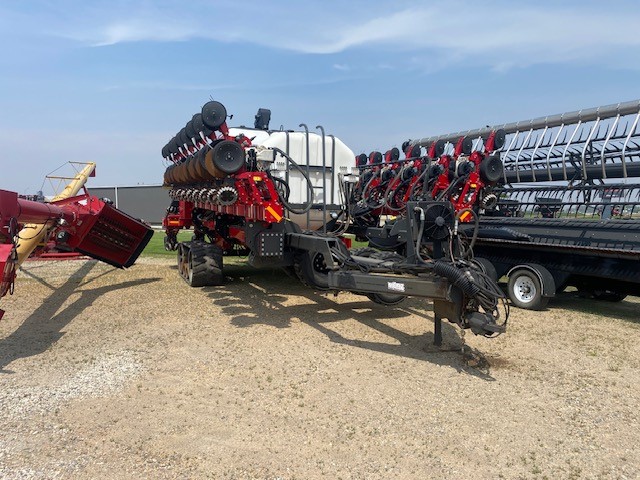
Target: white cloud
135,31
343,67
497,34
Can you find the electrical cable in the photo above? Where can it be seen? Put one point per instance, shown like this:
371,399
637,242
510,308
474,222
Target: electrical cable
346,209
365,198
400,184
420,232
476,226
424,176
447,190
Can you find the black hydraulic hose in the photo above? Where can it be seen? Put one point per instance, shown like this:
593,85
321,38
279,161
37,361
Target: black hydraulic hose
457,277
448,190
286,204
421,218
347,212
476,226
413,187
475,285
285,185
397,187
364,190
425,181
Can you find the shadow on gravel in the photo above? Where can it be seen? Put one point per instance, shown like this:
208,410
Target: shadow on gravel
252,297
44,327
628,309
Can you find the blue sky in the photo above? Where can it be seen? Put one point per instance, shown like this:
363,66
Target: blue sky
113,81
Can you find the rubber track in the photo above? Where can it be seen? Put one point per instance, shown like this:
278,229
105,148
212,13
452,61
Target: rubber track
206,264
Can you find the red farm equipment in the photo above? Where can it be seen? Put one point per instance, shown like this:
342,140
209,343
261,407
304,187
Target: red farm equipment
282,198
564,210
72,223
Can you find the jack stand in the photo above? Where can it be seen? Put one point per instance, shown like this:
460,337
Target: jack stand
437,331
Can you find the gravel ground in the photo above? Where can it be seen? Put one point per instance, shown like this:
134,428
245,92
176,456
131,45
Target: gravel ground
132,374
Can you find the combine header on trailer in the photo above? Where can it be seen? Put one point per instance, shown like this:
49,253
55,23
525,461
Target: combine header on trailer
592,144
281,197
567,209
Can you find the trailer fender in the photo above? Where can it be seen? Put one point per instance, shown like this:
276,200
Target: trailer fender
486,267
528,287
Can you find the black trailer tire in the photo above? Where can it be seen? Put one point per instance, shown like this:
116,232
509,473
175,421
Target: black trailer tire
386,299
311,270
486,267
525,291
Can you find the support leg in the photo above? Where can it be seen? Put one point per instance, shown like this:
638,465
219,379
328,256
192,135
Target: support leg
437,331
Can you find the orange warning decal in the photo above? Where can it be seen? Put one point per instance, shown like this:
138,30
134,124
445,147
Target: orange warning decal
273,213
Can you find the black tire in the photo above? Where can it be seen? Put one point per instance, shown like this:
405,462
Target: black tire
199,126
394,154
228,156
173,145
386,299
310,268
183,137
204,265
467,145
214,114
375,158
196,270
525,290
491,169
190,130
361,160
499,139
414,152
486,267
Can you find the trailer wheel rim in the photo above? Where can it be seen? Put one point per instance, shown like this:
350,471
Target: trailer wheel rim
524,289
